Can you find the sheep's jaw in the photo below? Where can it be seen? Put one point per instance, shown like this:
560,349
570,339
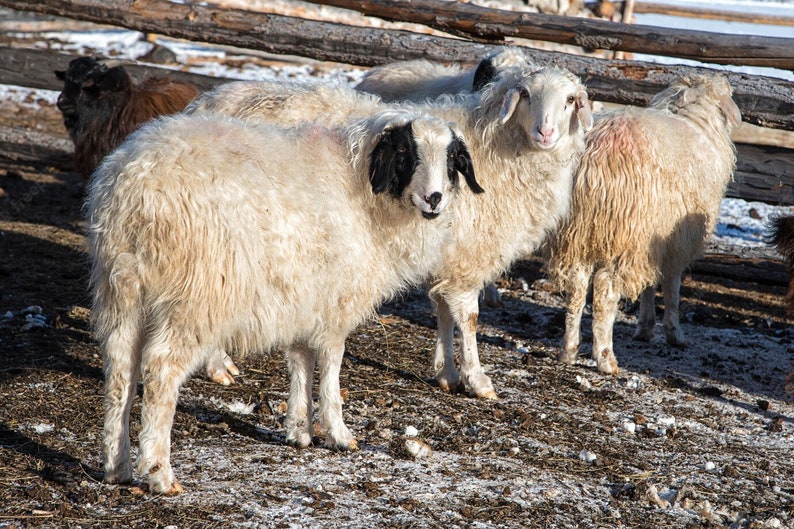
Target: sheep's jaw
544,144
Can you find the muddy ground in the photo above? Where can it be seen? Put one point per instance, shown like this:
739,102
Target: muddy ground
700,437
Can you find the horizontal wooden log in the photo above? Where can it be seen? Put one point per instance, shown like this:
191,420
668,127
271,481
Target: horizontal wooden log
31,146
705,13
764,101
755,270
496,24
36,69
764,174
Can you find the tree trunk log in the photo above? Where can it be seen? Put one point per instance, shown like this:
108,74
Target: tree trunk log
710,14
494,24
764,101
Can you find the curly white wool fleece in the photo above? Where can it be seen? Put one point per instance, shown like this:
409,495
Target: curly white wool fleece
647,195
525,132
209,233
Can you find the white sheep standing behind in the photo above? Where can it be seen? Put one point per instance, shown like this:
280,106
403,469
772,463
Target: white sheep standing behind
525,131
645,199
208,233
421,79
418,80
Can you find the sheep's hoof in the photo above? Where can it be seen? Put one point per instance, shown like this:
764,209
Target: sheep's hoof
175,490
567,357
450,384
489,394
676,339
349,446
120,473
606,362
224,378
480,386
643,334
221,369
299,441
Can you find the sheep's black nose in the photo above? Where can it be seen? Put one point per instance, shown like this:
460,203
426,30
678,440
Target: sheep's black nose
433,199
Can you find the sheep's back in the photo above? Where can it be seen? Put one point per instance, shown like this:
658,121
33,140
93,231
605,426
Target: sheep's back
230,237
645,196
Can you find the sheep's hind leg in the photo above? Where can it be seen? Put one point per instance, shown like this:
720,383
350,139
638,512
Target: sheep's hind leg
121,351
444,368
221,368
647,317
671,286
165,368
605,307
491,297
465,312
337,433
300,364
575,302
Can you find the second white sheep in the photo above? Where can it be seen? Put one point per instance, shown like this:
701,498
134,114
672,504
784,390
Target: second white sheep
210,234
646,197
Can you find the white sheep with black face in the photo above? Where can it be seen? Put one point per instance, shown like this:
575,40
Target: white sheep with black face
525,131
211,234
420,80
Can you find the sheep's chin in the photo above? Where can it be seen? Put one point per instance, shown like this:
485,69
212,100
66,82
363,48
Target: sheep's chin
545,145
430,214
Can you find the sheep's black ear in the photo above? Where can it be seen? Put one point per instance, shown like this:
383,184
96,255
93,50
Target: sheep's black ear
382,166
393,160
464,165
483,75
60,74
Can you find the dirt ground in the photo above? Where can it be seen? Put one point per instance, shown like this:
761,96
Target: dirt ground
700,437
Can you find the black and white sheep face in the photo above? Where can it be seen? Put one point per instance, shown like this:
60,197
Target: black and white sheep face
549,107
419,162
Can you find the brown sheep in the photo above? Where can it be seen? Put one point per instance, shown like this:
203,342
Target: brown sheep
101,106
781,236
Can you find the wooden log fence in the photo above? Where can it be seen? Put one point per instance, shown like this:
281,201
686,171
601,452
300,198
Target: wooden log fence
704,13
763,173
764,101
491,24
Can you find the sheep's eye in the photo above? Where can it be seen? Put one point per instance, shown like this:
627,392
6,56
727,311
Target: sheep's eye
571,99
402,149
524,93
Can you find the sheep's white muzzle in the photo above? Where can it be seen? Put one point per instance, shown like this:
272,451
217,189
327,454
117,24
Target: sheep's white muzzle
430,205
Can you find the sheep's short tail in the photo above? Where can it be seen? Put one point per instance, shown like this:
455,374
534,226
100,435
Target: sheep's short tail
117,292
780,234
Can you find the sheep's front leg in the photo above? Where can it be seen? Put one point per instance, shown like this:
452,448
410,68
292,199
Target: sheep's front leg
337,434
163,374
221,368
300,364
122,371
605,307
465,311
647,317
444,368
575,301
671,288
